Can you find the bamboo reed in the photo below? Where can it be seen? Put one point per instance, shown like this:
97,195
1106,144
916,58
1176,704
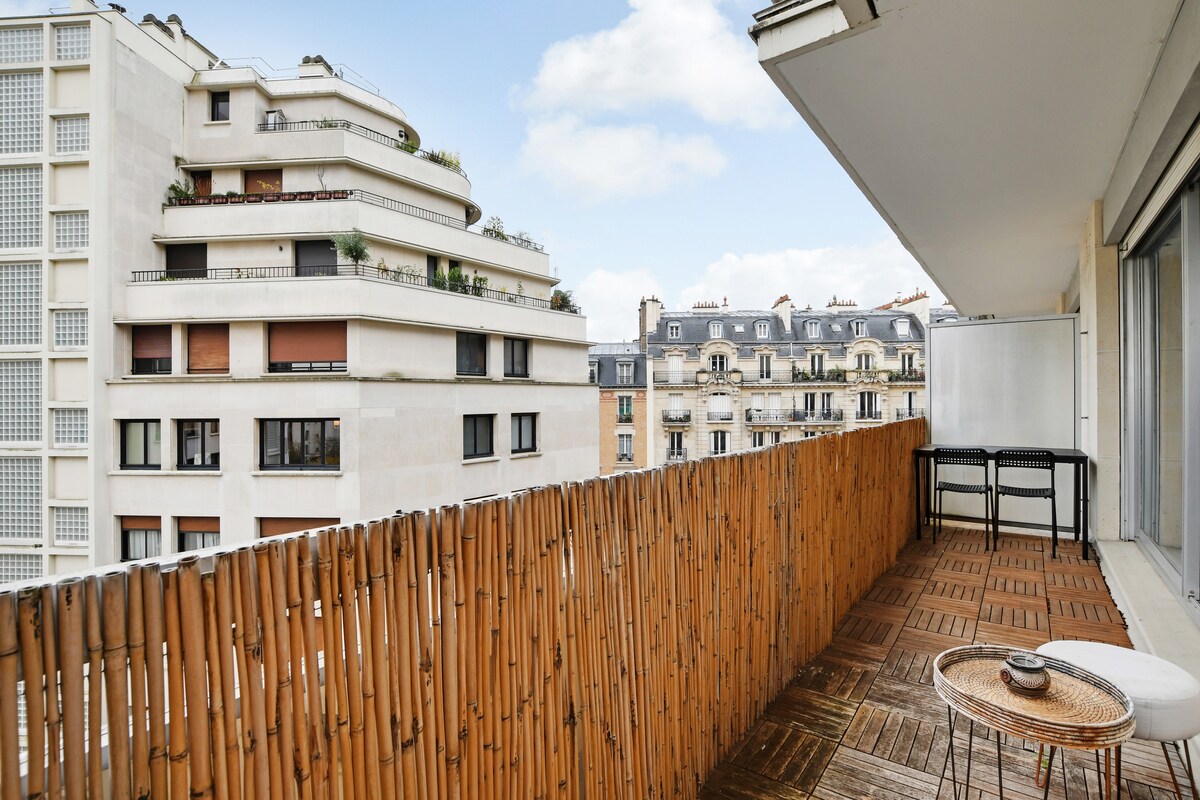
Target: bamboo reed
29,619
53,715
177,742
216,689
224,598
70,661
153,620
95,690
10,657
140,746
116,654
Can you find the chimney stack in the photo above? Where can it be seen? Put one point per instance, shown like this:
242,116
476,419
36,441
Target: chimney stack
648,316
783,310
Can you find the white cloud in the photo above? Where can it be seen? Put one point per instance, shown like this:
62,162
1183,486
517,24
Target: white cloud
870,275
25,8
610,301
664,51
604,162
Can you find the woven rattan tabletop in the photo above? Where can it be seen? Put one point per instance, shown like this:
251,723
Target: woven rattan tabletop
1081,711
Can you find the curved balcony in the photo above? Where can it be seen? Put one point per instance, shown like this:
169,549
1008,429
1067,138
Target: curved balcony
868,416
768,416
433,157
823,376
720,416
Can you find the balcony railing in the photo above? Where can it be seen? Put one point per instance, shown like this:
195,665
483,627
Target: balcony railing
624,457
771,376
768,416
676,416
867,374
306,366
676,377
906,376
252,198
677,454
909,413
823,376
353,127
409,277
624,380
624,419
867,415
793,415
720,416
427,639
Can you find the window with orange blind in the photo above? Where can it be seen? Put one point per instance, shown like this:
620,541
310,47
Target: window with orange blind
306,346
208,348
259,181
275,526
141,537
197,533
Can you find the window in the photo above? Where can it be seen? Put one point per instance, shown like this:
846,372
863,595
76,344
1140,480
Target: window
262,181
197,533
860,327
141,444
70,427
20,400
187,260
202,182
816,363
524,433
152,350
714,330
624,408
758,439
719,442
300,443
813,328
625,373
71,135
199,444
625,447
477,435
431,268
902,328
675,448
864,361
218,106
593,369
762,330
826,401
20,497
141,537
516,358
71,230
208,348
472,354
72,42
71,526
20,304
70,329
306,346
718,363
20,44
810,401
277,526
21,112
868,405
776,437
315,258
720,408
20,207
673,330
764,367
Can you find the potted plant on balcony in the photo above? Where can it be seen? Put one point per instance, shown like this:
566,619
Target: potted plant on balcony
182,193
287,196
563,301
235,197
270,197
353,247
219,199
305,195
253,197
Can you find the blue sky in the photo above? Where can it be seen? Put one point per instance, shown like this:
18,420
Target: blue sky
640,140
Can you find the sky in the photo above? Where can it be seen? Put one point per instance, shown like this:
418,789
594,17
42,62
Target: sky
639,140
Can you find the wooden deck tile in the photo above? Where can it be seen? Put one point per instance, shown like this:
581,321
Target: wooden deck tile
862,719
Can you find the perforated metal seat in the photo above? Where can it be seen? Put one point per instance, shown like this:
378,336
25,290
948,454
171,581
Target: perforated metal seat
967,457
1027,459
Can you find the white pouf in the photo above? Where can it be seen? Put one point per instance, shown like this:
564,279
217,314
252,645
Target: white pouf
1166,698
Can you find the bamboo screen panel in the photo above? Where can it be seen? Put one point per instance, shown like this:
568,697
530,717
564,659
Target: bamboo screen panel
606,639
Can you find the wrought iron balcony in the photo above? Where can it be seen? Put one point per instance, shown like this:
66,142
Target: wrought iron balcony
868,415
770,376
677,416
823,376
624,457
720,416
817,415
624,419
867,374
678,454
676,377
906,376
909,413
760,416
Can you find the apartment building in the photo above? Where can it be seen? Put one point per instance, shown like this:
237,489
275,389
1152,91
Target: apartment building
619,371
724,381
1058,177
187,357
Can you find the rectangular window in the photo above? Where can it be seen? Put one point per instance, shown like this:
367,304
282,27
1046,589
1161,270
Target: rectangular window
71,135
675,449
524,433
813,327
262,181
71,230
141,537
810,401
199,444
472,354
864,361
202,182
593,371
71,526
816,364
762,330
764,367
719,441
431,268
19,45
70,427
70,329
718,363
516,358
187,260
826,401
20,400
625,408
860,328
307,346
20,112
152,350
197,533
315,258
908,362
902,327
758,439
300,444
673,330
868,405
714,330
20,304
20,207
208,348
625,447
141,444
477,435
72,42
625,374
218,106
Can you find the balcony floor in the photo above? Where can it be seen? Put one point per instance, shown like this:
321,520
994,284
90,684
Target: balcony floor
862,720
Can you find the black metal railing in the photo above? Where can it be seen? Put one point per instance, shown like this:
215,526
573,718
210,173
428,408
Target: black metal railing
678,454
624,456
906,376
769,376
235,198
406,276
306,366
820,376
868,374
624,419
775,415
909,413
876,414
676,416
817,415
720,416
359,130
768,415
152,366
675,376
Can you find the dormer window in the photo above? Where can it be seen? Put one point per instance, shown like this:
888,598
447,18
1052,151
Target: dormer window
625,373
592,371
672,330
902,328
814,329
859,327
714,330
762,330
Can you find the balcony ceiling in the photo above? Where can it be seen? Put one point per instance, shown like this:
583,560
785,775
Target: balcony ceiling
982,132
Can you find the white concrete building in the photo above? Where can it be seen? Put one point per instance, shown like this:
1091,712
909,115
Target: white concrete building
177,368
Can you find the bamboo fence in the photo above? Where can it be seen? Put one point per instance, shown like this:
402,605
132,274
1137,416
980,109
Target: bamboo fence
611,638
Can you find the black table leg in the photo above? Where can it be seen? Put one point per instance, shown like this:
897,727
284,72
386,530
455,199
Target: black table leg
1084,510
1076,509
917,490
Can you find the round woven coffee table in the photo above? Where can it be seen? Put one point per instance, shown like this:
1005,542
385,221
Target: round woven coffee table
1080,711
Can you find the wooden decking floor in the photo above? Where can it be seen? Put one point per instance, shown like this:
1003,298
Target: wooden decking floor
862,720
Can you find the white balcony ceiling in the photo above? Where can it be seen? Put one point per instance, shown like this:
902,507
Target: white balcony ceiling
981,131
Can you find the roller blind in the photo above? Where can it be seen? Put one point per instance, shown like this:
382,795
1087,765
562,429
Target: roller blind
200,524
141,523
274,526
307,341
208,348
263,180
152,341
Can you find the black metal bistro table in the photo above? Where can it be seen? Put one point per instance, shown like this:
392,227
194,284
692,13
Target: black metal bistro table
923,480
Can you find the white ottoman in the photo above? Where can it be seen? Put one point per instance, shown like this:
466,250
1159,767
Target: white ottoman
1166,698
